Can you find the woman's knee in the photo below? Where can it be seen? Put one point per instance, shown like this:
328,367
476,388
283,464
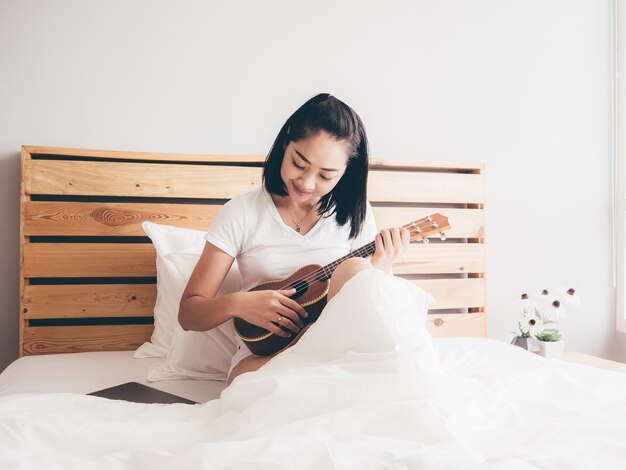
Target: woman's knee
344,272
248,364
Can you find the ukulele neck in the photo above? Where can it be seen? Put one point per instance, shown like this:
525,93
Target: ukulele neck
327,271
419,230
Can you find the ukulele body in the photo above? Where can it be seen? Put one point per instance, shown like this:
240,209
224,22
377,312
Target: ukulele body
310,293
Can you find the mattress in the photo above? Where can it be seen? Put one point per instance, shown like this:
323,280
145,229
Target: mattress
87,372
90,371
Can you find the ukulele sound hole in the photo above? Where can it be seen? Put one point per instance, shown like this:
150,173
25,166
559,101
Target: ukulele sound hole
300,286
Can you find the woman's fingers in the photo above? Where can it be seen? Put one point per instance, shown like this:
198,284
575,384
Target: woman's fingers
406,237
379,246
291,315
285,314
395,240
289,319
274,327
401,238
292,304
388,245
387,241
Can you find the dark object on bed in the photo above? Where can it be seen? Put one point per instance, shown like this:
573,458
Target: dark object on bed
139,393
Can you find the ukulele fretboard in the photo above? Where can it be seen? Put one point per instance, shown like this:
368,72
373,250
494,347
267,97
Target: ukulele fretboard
325,272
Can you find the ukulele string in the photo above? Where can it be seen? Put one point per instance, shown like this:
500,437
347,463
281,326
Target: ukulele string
309,279
313,276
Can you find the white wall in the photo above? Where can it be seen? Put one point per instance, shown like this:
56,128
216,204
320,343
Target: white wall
522,85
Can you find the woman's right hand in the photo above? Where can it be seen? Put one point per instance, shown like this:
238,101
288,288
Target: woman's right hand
269,309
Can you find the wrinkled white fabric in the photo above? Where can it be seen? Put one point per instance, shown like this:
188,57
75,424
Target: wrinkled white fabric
364,388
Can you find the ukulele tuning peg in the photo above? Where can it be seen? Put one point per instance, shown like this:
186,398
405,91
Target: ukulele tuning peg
425,241
434,225
443,235
428,219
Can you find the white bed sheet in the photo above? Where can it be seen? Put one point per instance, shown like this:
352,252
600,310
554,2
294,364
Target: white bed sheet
494,407
363,388
91,371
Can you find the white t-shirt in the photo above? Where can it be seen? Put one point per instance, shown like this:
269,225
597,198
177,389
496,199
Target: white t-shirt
250,229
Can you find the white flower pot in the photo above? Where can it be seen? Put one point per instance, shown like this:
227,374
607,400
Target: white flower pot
551,349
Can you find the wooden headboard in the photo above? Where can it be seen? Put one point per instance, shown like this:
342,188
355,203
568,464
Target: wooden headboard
87,270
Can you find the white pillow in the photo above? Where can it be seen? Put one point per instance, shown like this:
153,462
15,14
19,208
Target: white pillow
199,354
373,313
178,250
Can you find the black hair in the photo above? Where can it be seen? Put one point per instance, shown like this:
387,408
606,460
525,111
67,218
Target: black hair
325,113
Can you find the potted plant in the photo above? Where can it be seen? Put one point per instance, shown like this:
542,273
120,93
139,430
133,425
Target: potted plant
539,325
550,343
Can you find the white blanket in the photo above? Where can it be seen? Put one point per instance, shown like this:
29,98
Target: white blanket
363,389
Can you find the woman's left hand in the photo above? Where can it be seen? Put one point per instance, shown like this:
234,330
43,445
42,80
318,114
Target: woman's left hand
388,245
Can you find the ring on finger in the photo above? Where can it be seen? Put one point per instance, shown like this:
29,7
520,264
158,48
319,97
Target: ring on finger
280,318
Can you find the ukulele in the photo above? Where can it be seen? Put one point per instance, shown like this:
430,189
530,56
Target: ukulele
312,282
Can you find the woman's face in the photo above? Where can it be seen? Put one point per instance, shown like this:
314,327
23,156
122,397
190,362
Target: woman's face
313,166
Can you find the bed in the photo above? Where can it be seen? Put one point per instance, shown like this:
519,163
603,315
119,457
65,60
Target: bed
88,271
414,381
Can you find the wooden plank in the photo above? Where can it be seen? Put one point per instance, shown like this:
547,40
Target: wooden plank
457,324
465,223
89,260
85,301
138,259
428,165
80,178
133,300
223,182
441,258
69,339
24,199
416,187
112,219
139,156
49,218
455,293
375,163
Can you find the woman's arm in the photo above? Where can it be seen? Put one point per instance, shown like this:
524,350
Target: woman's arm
201,311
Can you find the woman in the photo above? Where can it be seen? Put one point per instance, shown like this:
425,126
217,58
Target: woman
311,209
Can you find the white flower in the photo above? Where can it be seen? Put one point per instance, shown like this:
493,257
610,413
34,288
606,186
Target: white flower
544,299
530,325
527,305
568,297
555,311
